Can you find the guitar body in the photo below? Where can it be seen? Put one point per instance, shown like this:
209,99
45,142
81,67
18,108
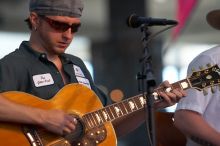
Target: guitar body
73,99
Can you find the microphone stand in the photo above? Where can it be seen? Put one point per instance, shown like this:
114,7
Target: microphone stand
147,80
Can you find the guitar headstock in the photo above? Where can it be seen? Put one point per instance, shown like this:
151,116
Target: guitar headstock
205,78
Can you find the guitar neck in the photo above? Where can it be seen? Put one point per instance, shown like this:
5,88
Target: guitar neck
128,106
182,84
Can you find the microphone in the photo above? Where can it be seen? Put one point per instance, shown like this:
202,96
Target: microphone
135,21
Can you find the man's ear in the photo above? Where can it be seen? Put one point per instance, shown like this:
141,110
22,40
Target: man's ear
34,20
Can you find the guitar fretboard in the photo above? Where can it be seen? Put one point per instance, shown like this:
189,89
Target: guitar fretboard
128,106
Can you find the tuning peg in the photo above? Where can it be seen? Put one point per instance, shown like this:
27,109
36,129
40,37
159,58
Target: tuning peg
213,89
205,92
209,65
201,67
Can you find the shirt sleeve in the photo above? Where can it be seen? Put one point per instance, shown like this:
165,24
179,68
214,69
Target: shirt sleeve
195,101
7,77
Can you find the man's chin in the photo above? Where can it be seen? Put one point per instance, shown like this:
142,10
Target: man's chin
60,50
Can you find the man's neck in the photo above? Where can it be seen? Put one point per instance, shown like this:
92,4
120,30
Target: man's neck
35,45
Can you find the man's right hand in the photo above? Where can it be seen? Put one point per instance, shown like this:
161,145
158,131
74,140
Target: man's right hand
57,121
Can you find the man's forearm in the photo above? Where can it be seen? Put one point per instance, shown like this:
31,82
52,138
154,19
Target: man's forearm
12,112
195,127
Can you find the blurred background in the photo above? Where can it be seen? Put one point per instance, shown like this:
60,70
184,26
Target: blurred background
112,50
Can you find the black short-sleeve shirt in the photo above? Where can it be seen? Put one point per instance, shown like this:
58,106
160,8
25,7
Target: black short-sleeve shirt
23,70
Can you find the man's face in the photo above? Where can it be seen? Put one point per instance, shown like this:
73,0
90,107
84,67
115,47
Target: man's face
55,33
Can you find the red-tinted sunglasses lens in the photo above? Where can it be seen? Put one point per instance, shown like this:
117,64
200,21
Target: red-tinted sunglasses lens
61,26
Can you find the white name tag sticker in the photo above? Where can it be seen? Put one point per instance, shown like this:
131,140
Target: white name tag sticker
84,81
43,80
78,71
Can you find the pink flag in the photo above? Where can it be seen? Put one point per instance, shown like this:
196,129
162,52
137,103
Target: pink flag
184,10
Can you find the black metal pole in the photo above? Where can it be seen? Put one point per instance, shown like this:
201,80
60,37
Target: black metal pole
148,84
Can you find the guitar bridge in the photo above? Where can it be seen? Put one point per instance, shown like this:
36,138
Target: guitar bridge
93,137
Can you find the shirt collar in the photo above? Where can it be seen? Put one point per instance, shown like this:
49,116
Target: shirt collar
42,56
25,46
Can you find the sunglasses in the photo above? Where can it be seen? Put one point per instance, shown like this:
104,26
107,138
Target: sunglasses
61,26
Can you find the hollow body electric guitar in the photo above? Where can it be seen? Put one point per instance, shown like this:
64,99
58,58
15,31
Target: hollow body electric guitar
94,126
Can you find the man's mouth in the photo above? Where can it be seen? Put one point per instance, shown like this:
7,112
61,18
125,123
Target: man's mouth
63,45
